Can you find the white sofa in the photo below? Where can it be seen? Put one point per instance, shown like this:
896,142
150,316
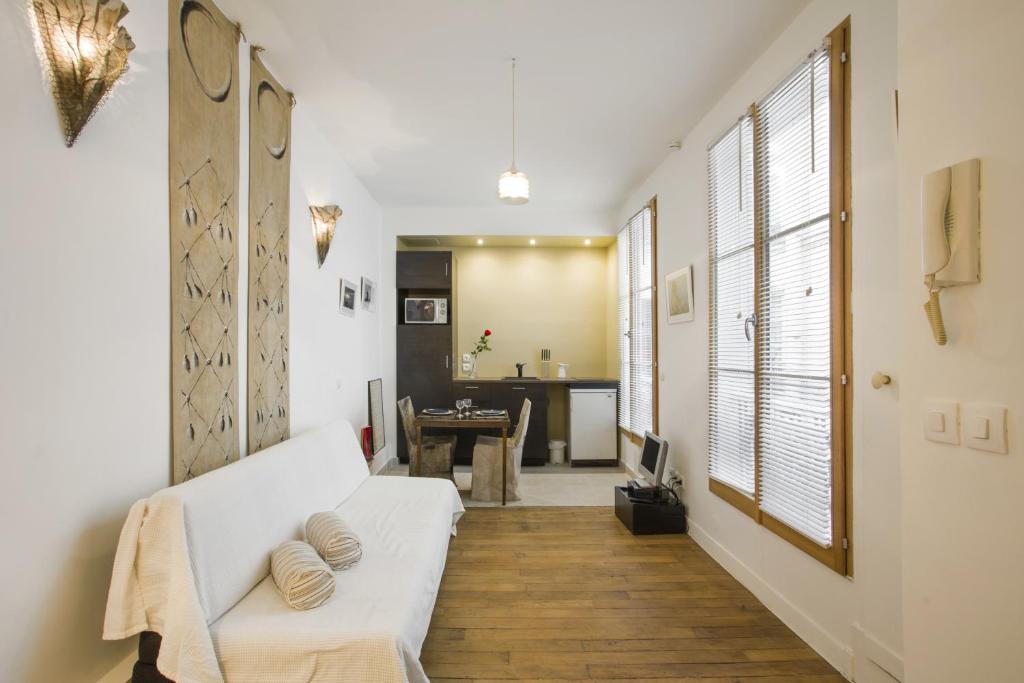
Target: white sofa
193,565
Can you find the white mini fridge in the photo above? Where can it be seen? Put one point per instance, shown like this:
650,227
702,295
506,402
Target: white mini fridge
592,425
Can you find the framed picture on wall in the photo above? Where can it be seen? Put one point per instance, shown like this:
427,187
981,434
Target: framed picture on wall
368,294
347,297
679,298
376,409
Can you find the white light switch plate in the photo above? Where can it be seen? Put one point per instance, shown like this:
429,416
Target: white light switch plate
985,427
942,422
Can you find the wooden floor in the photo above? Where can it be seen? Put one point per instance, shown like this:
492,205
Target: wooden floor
568,594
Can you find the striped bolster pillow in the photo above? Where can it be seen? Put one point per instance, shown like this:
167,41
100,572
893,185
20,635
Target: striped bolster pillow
332,538
301,576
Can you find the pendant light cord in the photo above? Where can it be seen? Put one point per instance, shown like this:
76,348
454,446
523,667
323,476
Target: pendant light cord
513,113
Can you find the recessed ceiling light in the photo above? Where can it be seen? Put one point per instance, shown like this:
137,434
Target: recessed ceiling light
587,241
479,241
532,241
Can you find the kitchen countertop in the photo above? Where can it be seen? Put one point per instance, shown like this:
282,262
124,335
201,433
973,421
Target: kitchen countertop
539,380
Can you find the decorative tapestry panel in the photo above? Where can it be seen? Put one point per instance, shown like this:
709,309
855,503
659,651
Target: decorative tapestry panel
203,182
270,114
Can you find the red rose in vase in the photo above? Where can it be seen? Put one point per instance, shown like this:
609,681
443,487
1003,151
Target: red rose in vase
481,346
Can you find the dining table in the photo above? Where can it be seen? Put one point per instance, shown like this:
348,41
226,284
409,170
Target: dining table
470,420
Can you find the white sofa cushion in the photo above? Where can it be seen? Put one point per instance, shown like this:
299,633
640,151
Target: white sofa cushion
374,626
236,515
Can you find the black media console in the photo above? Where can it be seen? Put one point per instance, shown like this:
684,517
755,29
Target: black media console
665,515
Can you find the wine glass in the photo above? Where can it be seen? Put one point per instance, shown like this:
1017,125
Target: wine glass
462,405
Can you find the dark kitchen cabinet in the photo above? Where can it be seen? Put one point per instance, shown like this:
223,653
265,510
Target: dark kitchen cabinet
507,395
510,395
478,392
424,363
424,369
424,270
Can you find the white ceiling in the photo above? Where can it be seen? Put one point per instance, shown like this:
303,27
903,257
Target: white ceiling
416,94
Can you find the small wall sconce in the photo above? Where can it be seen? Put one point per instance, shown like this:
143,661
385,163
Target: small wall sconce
83,51
324,219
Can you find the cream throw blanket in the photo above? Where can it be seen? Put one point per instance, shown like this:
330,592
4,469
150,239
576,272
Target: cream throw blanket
153,589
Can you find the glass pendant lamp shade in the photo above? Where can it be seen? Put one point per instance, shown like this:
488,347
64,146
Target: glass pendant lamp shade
514,187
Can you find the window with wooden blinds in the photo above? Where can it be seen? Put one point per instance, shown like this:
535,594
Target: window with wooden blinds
637,326
778,375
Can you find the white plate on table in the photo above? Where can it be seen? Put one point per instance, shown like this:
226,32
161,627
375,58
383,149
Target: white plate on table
438,412
489,413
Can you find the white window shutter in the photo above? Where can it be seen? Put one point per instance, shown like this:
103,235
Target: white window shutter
622,254
794,366
636,323
731,266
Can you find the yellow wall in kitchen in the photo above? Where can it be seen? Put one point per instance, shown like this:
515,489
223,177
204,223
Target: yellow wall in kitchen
534,298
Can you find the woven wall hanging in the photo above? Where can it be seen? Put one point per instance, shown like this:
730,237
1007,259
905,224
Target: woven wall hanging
203,160
270,115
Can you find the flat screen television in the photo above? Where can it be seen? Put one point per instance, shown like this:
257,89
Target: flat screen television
653,455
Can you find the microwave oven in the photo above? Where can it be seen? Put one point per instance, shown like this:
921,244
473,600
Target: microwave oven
426,311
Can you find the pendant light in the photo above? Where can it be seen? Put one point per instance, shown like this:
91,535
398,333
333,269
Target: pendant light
513,185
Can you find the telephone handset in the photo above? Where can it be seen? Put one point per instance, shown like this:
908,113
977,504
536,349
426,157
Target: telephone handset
950,256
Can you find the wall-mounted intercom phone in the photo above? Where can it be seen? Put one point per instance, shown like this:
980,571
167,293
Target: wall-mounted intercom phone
951,227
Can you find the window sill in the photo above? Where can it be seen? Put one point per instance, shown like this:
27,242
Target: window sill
637,440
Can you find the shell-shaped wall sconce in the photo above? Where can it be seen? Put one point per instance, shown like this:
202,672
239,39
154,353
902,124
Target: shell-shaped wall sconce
84,51
324,219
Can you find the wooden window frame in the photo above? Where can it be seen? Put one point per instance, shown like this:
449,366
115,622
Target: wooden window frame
636,439
839,556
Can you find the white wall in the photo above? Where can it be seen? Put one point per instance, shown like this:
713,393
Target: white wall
84,408
333,356
960,97
854,623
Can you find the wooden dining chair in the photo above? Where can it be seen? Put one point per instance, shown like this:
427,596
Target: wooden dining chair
487,462
438,450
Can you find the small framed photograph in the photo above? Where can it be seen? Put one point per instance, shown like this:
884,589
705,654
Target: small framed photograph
368,294
679,297
347,294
